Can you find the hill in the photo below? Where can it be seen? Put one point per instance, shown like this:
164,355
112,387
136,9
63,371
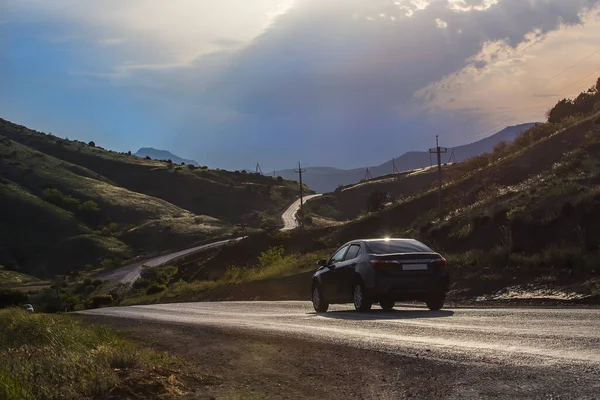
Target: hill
327,179
520,225
69,206
156,154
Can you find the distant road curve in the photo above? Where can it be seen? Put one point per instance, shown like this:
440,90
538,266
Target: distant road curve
130,273
289,216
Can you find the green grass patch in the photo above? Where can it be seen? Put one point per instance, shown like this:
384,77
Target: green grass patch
272,263
59,357
13,278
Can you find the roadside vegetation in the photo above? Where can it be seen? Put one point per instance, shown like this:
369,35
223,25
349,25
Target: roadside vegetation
59,357
164,284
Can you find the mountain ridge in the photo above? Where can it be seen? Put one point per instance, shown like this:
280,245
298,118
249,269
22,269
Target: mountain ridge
158,154
324,179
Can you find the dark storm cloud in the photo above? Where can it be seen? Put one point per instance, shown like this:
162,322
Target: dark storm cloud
348,69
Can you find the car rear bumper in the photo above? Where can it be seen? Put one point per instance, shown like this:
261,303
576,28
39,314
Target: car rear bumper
409,287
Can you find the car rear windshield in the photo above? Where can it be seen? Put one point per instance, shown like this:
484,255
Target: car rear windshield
397,246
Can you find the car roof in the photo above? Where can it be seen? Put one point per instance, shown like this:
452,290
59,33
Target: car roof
382,240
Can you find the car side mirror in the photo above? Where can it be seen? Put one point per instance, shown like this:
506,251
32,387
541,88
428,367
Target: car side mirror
322,263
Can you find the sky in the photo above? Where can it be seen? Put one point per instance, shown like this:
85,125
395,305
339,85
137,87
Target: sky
342,83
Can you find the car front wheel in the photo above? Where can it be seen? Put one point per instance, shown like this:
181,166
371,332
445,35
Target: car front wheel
435,302
319,304
361,302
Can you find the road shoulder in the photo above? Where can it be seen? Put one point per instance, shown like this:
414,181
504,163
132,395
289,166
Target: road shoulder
254,365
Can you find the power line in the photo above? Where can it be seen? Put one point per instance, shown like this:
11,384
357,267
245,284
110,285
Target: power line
576,64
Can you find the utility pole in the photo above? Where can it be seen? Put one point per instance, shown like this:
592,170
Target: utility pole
258,170
439,150
368,174
299,171
394,169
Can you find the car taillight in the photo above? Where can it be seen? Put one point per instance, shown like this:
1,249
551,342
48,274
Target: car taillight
440,263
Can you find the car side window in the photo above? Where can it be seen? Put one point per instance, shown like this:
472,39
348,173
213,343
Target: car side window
353,252
338,256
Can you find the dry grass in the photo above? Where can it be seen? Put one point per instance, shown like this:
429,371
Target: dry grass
59,357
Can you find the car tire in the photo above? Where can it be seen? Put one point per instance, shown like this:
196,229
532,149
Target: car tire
359,297
387,305
435,302
319,304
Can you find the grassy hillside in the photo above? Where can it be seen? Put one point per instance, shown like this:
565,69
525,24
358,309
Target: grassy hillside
350,201
70,206
231,196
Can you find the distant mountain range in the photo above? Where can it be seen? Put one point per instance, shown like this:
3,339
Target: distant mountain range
327,179
157,154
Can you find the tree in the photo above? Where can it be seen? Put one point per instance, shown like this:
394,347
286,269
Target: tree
560,111
148,158
376,201
92,144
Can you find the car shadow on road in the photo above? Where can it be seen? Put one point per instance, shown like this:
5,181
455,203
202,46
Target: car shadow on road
380,314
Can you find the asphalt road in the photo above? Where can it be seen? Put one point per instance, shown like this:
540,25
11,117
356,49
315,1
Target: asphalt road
289,216
515,336
130,273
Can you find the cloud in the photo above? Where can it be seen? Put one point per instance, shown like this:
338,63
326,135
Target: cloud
441,23
344,81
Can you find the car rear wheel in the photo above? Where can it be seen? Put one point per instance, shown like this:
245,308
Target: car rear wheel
319,304
435,302
387,305
361,302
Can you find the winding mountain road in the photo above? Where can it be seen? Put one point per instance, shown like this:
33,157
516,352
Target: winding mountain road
289,216
130,273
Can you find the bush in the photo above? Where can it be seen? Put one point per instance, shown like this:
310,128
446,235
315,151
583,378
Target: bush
191,166
156,288
64,201
272,256
148,158
92,144
100,300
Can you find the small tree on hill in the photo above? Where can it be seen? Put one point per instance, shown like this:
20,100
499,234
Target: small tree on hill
376,201
92,144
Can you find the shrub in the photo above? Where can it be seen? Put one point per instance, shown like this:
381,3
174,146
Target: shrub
272,256
148,158
100,300
92,144
155,288
191,166
56,197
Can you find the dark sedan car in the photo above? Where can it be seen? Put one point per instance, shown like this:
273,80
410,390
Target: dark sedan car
381,271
